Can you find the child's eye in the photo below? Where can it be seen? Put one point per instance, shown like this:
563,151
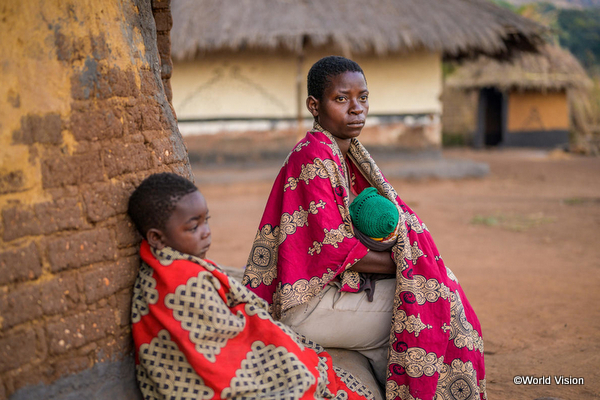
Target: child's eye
193,228
340,99
206,219
364,98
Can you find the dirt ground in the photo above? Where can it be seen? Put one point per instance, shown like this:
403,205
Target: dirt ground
524,242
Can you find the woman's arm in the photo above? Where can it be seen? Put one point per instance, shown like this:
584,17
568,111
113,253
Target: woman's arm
376,262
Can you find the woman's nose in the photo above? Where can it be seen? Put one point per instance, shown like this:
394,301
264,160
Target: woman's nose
356,107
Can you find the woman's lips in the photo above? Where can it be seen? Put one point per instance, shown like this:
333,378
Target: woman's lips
356,123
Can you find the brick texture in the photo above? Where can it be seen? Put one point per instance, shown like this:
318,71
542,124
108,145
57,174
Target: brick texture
80,249
10,182
68,251
39,129
20,264
89,122
73,170
17,348
105,200
101,282
42,218
21,304
78,330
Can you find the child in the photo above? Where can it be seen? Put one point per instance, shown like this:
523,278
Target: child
200,334
420,333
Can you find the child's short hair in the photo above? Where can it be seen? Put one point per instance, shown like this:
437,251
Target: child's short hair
152,203
327,67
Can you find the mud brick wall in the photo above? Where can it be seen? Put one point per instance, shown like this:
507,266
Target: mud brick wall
84,117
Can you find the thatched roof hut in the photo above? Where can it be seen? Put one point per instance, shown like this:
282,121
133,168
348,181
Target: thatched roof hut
552,69
242,64
525,101
456,28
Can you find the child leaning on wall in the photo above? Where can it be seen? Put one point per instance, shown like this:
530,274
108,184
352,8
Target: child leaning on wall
199,333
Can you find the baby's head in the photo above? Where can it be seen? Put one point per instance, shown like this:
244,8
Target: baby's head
168,210
374,215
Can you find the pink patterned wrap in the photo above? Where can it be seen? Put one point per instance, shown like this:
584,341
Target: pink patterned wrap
305,239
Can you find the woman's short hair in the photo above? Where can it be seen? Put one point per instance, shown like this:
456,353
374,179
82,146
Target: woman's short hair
322,71
154,200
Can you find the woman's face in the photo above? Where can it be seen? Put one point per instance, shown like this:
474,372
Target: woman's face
344,106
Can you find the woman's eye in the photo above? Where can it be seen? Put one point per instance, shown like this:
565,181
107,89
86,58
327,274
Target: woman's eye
340,99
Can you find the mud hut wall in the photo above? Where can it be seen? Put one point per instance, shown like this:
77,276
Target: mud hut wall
537,111
252,84
460,112
83,119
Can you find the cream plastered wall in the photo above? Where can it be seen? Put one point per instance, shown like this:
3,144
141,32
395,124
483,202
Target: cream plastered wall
263,85
535,111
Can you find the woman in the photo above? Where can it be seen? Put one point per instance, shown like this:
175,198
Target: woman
308,264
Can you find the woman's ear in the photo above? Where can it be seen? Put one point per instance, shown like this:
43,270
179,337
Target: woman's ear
313,106
156,238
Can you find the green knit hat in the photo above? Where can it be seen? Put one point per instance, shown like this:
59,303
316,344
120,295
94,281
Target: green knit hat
373,214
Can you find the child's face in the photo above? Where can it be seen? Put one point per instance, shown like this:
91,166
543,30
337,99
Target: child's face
344,106
187,229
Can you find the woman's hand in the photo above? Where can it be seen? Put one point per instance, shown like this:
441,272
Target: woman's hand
376,262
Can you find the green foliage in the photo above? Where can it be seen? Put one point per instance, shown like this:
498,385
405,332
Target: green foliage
455,139
448,68
579,31
505,4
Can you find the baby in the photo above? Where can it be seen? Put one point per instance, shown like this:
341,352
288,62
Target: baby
375,219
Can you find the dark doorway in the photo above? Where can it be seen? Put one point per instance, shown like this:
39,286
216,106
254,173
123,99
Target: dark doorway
490,126
493,117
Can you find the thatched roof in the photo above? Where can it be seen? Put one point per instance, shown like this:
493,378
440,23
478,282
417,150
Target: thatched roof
552,69
457,28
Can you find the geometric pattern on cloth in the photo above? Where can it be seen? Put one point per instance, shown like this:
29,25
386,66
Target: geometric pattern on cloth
483,389
262,313
409,323
144,293
423,289
201,311
164,372
416,252
461,331
322,367
417,361
319,168
353,384
240,294
395,391
451,275
332,237
263,257
414,223
299,292
260,373
458,381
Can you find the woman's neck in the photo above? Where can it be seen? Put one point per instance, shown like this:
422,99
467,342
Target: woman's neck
344,145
